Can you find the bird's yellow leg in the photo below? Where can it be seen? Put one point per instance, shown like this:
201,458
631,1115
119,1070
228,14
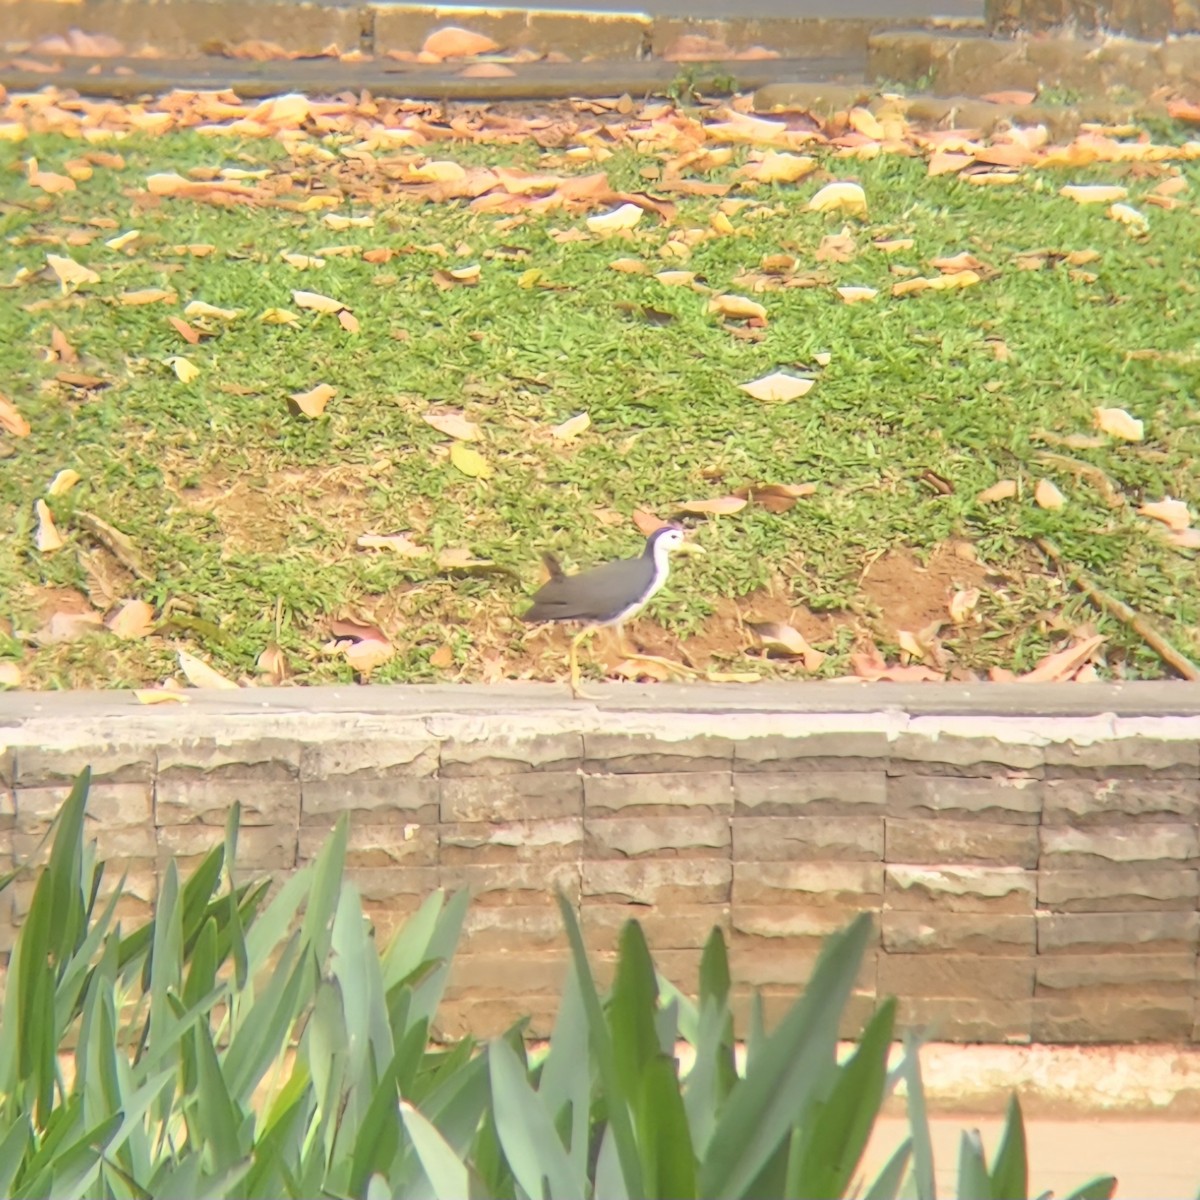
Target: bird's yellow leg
629,652
576,688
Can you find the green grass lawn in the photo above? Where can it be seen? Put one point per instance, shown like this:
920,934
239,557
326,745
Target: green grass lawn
243,515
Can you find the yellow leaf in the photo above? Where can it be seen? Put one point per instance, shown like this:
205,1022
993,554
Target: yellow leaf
629,266
63,482
302,262
47,538
279,316
200,675
437,172
1128,215
453,425
317,303
13,131
71,275
893,245
442,657
779,167
785,641
123,240
720,506
338,222
148,296
626,216
1116,422
778,386
312,403
721,223
198,308
676,278
1047,496
1093,193
10,675
843,195
185,370
571,428
962,605
1173,514
1006,489
729,305
400,543
159,696
855,295
469,462
863,121
133,620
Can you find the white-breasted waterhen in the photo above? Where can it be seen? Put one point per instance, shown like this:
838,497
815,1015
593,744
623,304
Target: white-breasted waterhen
608,594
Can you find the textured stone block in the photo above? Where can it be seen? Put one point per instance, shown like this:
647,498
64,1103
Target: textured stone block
1010,799
662,837
372,798
1140,973
970,976
110,762
513,883
777,1002
936,841
484,976
512,929
933,745
477,842
759,964
961,933
465,1016
259,848
1103,846
967,1019
670,927
809,793
661,882
861,750
763,839
376,845
399,890
8,764
1112,1015
138,894
1083,802
500,753
643,754
690,792
370,758
854,884
1118,889
255,758
110,805
1118,933
541,795
959,889
795,927
1125,754
207,800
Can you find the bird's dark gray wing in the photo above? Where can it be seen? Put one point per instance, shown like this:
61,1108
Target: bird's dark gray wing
592,595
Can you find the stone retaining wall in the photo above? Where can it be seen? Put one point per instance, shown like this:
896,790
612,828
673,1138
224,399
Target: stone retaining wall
1033,878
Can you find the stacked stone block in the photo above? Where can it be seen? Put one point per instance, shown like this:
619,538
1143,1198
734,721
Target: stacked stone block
1025,887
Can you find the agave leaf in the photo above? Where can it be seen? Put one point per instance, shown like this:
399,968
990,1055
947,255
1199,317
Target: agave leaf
974,1183
441,1164
1103,1187
918,1120
566,1079
889,1180
1010,1171
631,1009
668,1160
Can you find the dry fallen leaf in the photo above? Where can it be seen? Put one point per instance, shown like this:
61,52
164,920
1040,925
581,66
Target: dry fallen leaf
629,266
776,497
133,620
869,664
63,482
71,275
67,627
778,386
1129,216
856,295
1047,496
738,307
842,195
1006,489
200,675
719,506
452,41
47,538
399,543
938,283
47,181
10,675
312,403
784,641
778,167
1174,514
962,605
315,302
198,308
11,420
273,664
647,522
469,462
1116,422
144,296
1060,666
159,696
625,216
572,427
453,425
302,262
364,647
442,657
955,263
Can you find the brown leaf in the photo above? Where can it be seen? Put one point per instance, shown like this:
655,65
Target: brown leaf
447,278
200,675
47,181
185,331
364,646
1006,489
1060,666
67,627
1047,496
398,543
1174,514
273,664
61,347
442,657
1116,422
147,296
316,302
571,428
647,522
836,247
962,605
47,538
1014,97
776,497
720,506
784,641
133,620
453,425
312,403
957,262
737,307
869,664
846,196
777,387
348,321
10,675
452,41
11,420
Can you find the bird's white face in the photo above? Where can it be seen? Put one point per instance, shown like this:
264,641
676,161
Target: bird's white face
670,539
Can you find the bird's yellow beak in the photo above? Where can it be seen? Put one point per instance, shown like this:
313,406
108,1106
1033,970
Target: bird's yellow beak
689,548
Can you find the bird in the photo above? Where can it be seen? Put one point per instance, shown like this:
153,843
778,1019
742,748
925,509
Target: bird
608,594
